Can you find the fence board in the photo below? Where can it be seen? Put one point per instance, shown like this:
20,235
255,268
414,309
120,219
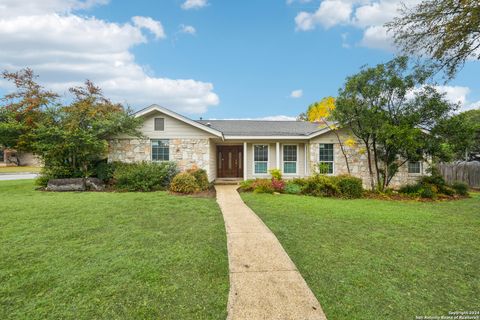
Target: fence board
468,172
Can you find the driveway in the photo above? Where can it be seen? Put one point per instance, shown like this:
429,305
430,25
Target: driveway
17,176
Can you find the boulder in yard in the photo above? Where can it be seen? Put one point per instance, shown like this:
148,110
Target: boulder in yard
77,184
94,184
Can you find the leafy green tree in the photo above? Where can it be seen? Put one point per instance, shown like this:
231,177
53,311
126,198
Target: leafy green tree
391,110
23,109
460,135
445,30
73,138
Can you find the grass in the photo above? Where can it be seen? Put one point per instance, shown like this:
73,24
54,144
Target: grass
19,169
110,255
373,259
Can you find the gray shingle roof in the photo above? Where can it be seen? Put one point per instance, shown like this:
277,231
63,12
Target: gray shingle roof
262,127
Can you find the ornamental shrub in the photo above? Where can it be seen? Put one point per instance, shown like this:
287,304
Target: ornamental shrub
428,191
201,178
461,188
350,187
292,188
247,185
321,186
184,182
263,186
411,189
276,174
278,185
143,176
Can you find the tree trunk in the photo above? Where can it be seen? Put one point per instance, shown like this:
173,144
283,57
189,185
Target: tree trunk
375,156
370,171
341,147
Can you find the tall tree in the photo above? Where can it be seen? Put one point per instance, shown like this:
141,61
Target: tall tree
73,138
445,30
22,109
390,108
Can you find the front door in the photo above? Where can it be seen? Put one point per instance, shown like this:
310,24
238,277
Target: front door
230,161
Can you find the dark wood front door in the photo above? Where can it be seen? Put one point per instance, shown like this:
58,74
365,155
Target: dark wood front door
230,161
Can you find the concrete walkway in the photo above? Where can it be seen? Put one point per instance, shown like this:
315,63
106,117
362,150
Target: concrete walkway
17,176
264,282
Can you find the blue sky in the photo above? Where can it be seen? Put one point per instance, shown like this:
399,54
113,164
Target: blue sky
236,59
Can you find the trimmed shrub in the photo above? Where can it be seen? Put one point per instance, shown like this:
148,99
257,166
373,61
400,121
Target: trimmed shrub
144,176
428,191
461,188
263,186
247,185
276,174
184,182
278,185
321,186
104,170
350,187
411,189
292,188
201,177
299,181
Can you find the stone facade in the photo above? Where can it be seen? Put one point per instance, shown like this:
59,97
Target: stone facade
358,162
187,153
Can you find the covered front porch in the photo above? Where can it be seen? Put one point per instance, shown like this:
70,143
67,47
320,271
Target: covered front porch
241,160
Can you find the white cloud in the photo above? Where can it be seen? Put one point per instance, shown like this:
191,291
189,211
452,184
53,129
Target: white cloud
194,4
66,49
367,15
11,8
187,29
330,13
455,94
296,94
148,23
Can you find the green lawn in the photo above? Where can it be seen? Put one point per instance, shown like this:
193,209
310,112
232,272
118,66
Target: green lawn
372,259
110,255
19,169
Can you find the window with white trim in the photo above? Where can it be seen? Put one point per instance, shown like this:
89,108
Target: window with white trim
260,158
326,158
159,124
290,159
414,167
160,150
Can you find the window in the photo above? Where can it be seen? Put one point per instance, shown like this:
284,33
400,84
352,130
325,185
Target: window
290,159
326,158
160,150
414,167
260,158
159,124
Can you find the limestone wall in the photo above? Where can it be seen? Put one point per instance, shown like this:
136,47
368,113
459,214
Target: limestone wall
185,152
358,161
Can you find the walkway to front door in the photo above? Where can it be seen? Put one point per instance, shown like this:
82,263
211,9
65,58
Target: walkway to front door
264,282
230,161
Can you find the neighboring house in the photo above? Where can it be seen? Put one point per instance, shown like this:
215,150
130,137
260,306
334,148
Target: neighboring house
244,149
9,157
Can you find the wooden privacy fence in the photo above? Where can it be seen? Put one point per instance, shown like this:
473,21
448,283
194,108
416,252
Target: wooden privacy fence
468,172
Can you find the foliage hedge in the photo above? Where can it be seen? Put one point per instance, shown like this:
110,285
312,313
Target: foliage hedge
184,182
143,176
318,185
433,186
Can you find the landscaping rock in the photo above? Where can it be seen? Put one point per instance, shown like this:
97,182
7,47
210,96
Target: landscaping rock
94,184
66,185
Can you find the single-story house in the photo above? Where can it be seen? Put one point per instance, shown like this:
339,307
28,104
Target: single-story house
245,149
9,157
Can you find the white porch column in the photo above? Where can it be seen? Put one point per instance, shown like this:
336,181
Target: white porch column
307,159
277,149
245,150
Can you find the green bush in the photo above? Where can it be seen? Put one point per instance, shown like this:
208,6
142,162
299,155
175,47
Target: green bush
184,183
144,176
201,178
263,186
276,174
428,191
350,187
292,188
104,170
247,185
447,190
299,181
411,189
461,188
321,186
